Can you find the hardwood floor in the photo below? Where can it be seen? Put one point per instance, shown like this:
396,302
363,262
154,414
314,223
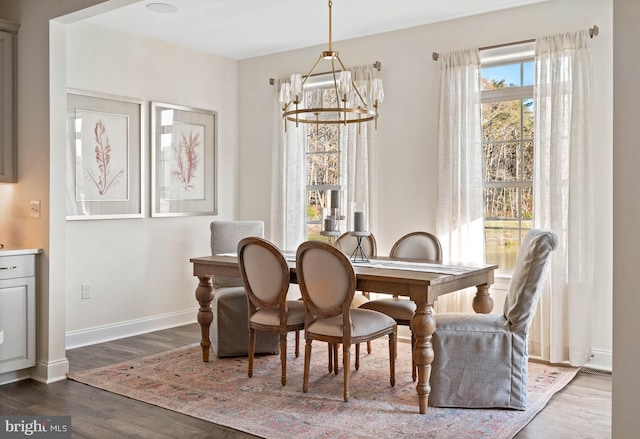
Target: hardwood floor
581,410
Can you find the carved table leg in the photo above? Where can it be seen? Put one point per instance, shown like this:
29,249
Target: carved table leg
482,302
204,296
423,325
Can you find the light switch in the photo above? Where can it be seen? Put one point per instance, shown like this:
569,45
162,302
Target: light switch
35,209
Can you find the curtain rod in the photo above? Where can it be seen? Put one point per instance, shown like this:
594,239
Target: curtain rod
593,32
376,65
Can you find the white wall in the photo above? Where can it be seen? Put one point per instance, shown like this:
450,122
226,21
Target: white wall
139,268
626,325
407,129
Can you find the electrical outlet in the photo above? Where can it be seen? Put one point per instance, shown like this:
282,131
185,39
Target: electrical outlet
34,211
85,291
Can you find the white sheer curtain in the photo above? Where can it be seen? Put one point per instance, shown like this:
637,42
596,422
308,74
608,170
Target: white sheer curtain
563,196
460,217
289,179
358,155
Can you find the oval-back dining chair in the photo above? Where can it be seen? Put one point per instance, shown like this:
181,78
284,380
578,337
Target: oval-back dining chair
415,246
265,274
328,282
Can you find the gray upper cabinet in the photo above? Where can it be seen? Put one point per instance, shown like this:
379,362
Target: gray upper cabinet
8,152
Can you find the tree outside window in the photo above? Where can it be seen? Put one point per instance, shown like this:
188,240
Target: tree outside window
507,131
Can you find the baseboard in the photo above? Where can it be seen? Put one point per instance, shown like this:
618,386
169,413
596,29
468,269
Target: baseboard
13,376
600,360
101,334
51,371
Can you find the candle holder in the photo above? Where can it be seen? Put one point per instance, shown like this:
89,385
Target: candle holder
332,215
359,254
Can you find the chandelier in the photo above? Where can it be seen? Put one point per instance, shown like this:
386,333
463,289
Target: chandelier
353,104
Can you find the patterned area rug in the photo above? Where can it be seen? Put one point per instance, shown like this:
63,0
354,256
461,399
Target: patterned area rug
220,391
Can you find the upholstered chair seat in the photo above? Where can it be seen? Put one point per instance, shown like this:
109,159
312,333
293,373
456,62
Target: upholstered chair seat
230,330
481,360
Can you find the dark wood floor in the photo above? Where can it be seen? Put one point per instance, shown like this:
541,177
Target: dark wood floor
581,410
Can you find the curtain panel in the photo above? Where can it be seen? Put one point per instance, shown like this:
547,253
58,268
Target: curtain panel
460,214
563,196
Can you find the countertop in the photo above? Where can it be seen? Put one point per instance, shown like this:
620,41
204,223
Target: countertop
15,251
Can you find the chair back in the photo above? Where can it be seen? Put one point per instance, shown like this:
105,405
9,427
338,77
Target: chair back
421,246
225,236
327,280
527,279
347,244
265,273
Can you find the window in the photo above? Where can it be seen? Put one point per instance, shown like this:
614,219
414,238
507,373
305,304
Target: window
323,158
507,141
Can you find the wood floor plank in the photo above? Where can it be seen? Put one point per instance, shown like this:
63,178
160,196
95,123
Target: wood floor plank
581,410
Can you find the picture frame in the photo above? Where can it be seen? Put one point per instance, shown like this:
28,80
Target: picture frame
183,160
104,156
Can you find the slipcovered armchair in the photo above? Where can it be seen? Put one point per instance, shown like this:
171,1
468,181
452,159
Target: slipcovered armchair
230,326
480,360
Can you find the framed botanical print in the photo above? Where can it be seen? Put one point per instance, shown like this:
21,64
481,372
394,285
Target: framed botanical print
104,156
183,160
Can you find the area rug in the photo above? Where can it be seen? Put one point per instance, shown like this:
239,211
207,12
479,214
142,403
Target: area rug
220,391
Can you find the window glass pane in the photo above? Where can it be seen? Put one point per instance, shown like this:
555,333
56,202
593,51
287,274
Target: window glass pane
501,76
528,72
526,204
527,163
501,161
501,202
323,169
501,121
502,242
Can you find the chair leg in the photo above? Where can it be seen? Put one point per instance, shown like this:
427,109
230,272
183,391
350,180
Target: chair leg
307,360
414,368
358,356
369,347
335,358
252,348
392,359
346,360
330,359
297,344
283,358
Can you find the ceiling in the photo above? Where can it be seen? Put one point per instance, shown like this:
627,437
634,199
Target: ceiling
241,29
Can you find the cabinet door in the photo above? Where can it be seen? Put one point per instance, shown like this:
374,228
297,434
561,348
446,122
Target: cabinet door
17,319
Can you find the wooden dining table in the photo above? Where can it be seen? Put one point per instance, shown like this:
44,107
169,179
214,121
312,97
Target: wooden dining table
423,283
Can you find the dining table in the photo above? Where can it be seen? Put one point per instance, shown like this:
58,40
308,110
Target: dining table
421,282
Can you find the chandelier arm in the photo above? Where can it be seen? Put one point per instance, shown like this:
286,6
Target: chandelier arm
306,78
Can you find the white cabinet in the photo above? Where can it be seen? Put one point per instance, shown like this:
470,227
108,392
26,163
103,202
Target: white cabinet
8,152
17,310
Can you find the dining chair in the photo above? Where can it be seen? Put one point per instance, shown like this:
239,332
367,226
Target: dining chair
416,246
265,275
481,360
229,328
347,243
328,282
